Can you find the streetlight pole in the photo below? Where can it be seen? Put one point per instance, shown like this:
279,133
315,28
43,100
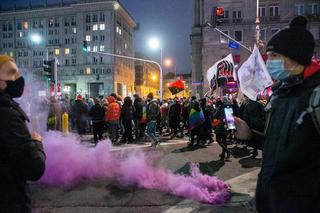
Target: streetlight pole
161,77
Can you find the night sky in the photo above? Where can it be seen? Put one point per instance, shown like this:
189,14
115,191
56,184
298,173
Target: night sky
169,20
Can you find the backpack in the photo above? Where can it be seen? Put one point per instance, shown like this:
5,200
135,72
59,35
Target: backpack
313,109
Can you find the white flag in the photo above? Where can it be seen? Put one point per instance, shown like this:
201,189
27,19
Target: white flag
221,72
253,75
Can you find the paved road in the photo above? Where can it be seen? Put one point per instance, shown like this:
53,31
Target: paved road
110,196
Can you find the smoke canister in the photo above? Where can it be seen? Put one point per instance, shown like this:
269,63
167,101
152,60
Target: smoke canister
65,123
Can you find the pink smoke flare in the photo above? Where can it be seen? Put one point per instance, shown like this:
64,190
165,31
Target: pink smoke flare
69,163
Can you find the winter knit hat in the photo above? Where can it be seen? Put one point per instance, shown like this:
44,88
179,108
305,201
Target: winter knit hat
295,42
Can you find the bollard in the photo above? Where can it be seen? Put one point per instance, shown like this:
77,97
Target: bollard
65,123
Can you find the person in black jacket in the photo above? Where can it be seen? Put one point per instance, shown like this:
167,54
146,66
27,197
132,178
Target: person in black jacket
208,115
97,116
221,130
138,105
127,113
174,118
80,112
289,177
254,115
22,157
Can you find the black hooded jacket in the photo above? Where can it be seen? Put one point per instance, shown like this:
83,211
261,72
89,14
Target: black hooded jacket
289,180
21,158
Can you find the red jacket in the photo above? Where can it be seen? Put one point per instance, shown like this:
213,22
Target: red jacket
113,112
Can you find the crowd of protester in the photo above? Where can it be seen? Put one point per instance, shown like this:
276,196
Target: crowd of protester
135,119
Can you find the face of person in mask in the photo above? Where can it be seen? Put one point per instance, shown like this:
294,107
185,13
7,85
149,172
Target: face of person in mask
281,67
11,82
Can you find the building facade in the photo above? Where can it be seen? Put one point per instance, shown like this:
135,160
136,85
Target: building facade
147,77
36,33
239,22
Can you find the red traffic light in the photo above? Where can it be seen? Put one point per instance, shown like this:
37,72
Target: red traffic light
219,11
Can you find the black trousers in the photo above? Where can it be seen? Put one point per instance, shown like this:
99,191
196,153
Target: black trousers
127,124
97,129
222,141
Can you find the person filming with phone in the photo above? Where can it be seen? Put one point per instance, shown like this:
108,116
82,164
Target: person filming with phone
21,154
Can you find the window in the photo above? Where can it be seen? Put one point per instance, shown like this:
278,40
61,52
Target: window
224,39
101,37
25,25
88,28
312,9
73,21
89,48
74,61
102,17
238,35
10,35
101,60
74,30
10,27
56,41
95,27
56,22
50,32
125,45
88,70
226,14
88,18
67,62
65,31
274,30
274,10
95,18
102,26
88,38
262,11
102,48
19,34
67,51
57,51
74,51
95,48
236,14
263,34
95,38
19,25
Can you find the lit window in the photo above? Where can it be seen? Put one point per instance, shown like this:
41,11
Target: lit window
11,54
74,30
95,48
88,38
120,31
125,46
25,25
20,34
102,48
117,29
67,51
88,70
102,26
56,51
95,27
89,48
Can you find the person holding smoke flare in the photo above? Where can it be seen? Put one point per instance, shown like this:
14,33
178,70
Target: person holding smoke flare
21,154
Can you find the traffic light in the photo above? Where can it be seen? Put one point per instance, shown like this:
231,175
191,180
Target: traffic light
216,16
85,46
49,67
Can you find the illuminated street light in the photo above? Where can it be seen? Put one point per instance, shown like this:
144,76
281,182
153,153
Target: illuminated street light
36,38
154,77
168,63
155,44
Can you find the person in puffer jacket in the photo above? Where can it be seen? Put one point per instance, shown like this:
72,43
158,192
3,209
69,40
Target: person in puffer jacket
289,180
112,116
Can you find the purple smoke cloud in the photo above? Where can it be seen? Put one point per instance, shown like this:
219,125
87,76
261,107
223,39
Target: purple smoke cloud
69,163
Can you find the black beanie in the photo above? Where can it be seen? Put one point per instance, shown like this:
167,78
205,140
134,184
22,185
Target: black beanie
295,42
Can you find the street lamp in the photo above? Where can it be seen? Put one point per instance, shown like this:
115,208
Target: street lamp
168,63
155,44
36,38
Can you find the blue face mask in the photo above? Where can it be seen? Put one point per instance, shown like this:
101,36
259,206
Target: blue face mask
277,70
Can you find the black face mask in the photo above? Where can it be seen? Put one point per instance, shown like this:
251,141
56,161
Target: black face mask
15,88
